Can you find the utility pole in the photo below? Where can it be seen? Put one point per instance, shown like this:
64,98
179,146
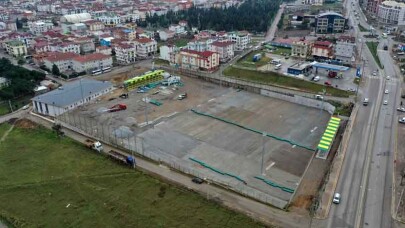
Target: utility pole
11,108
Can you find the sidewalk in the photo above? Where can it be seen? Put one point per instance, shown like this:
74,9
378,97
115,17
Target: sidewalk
263,213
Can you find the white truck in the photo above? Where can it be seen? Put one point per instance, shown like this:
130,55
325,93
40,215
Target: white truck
94,145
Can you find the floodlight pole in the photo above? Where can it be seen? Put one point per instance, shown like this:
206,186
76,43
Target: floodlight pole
263,149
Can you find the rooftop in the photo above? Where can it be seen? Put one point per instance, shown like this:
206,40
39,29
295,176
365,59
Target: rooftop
91,57
204,54
222,44
72,92
60,56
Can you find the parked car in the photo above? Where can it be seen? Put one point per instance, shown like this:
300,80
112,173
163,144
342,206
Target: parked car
318,97
328,83
317,78
401,120
25,107
388,77
401,109
385,102
336,198
386,91
197,180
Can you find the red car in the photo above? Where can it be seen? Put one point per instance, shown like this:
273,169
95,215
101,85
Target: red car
328,83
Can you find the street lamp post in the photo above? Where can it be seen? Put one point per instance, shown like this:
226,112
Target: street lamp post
263,149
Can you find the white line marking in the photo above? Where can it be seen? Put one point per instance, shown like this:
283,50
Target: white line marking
271,165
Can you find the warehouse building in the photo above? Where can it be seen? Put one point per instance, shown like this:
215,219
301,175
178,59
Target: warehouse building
70,96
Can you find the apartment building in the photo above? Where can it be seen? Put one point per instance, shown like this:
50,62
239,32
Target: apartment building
38,27
91,62
225,49
195,60
16,48
62,60
242,39
301,49
391,13
125,53
322,50
145,47
199,44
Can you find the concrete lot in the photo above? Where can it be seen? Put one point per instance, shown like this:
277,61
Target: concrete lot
178,134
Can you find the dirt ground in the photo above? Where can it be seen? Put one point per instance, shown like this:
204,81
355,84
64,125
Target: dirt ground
118,79
399,168
25,123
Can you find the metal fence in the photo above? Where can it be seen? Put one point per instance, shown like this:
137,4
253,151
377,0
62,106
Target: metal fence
136,144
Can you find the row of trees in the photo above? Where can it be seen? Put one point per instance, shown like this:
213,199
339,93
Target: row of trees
22,81
251,15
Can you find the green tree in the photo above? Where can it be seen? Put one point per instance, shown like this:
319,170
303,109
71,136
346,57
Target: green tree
55,70
21,61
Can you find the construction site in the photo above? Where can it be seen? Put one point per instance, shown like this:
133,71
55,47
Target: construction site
253,144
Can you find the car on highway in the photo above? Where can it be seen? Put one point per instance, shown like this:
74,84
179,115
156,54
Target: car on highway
386,91
401,109
374,73
385,102
401,120
365,101
336,198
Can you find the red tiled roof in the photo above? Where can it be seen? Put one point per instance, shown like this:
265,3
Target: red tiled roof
59,56
144,40
322,43
222,44
90,57
204,54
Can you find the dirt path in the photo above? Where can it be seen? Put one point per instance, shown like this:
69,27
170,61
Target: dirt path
6,133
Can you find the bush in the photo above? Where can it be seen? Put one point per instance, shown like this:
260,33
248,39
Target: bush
43,67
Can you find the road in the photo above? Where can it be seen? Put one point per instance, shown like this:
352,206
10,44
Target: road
273,28
365,181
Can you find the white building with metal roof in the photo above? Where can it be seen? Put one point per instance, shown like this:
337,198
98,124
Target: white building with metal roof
70,96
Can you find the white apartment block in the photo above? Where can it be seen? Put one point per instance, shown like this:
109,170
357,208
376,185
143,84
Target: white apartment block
242,39
38,27
392,13
199,44
225,49
145,47
69,47
166,50
125,53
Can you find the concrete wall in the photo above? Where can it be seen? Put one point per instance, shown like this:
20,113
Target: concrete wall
300,100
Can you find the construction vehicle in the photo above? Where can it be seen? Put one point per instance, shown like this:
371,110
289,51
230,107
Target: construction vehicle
127,160
94,145
117,107
182,96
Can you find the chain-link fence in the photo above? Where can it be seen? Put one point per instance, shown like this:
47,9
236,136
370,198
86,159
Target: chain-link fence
131,142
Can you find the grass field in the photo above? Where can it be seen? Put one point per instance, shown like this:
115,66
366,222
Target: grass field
281,80
247,61
161,62
281,51
181,42
51,182
372,46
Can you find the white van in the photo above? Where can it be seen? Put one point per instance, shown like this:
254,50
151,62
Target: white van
277,67
275,61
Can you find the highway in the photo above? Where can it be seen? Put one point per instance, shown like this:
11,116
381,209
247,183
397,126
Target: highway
365,181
